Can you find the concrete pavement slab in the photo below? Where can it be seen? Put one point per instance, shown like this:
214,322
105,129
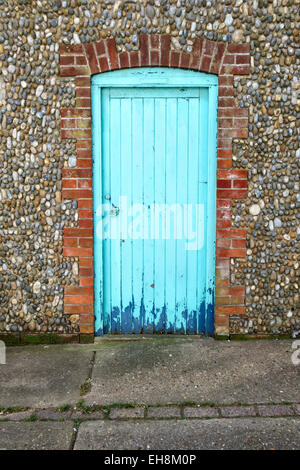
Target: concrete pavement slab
178,369
43,376
40,435
236,434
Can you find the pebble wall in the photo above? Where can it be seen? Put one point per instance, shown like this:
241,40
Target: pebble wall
33,271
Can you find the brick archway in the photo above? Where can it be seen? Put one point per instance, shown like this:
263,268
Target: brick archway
225,60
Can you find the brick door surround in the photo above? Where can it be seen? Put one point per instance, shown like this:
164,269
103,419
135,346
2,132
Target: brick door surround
222,59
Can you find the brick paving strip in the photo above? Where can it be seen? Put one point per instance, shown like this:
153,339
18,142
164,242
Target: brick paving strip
172,411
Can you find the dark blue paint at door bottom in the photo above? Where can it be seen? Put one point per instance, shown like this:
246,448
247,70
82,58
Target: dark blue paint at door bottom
196,322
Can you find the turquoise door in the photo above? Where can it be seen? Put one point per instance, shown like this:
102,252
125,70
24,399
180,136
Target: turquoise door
154,140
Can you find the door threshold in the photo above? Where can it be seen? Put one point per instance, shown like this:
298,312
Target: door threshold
136,337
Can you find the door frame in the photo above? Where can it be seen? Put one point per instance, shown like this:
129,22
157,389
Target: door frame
155,77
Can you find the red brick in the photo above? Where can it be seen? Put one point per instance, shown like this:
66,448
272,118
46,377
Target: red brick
84,153
175,58
77,232
230,310
239,48
86,252
81,60
86,271
70,242
103,63
83,81
221,320
230,253
87,223
240,184
224,203
134,59
225,80
154,58
232,233
85,203
83,92
223,243
232,193
205,63
240,122
225,144
67,60
223,213
72,309
87,329
92,57
225,91
219,52
229,59
84,163
86,262
77,194
224,162
84,183
100,47
112,53
70,184
83,102
232,290
195,62
242,59
84,144
223,184
209,47
233,173
86,281
85,242
223,223
124,60
240,70
240,112
154,41
198,46
226,102
185,60
165,43
144,48
225,123
76,173
68,123
74,71
239,243
78,299
79,290
85,213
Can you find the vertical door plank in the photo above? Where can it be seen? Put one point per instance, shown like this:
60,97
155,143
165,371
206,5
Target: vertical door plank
148,201
192,197
115,176
137,131
181,198
158,214
126,193
171,131
202,198
106,141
